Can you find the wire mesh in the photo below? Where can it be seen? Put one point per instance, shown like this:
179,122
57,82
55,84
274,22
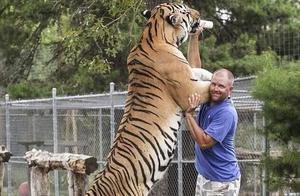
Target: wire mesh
86,125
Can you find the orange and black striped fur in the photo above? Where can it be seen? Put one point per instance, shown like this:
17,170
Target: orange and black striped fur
160,82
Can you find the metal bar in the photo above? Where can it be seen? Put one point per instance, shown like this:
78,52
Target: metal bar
265,172
74,106
245,78
8,147
112,113
255,169
64,98
179,163
55,138
100,128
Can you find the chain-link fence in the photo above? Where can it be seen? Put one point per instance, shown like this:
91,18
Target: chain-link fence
87,124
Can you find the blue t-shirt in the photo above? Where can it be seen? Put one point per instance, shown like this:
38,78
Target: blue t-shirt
218,163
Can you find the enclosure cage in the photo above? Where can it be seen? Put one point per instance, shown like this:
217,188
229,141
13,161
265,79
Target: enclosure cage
87,124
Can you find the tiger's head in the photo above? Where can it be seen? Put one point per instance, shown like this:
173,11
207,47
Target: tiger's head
172,22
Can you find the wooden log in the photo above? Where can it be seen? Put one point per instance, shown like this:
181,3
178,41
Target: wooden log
39,185
77,184
77,163
4,157
1,176
78,166
81,183
71,185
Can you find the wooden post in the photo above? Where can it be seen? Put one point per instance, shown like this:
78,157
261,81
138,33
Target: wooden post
71,125
27,145
42,162
39,185
71,183
1,176
4,157
81,183
77,183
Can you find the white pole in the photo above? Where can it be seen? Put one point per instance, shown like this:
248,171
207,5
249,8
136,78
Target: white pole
100,128
255,168
179,160
8,138
264,172
55,138
112,113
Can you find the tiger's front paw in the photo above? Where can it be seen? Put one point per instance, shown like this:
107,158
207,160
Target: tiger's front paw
202,74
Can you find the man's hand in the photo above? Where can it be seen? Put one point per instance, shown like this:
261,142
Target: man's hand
198,31
197,133
194,101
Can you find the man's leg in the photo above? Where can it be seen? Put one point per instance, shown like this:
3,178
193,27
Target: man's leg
206,187
200,181
234,188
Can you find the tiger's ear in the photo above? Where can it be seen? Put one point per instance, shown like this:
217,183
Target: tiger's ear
146,14
174,19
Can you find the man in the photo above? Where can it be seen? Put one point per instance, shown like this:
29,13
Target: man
214,132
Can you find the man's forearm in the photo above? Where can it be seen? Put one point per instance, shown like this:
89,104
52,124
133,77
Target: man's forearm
198,134
189,121
193,55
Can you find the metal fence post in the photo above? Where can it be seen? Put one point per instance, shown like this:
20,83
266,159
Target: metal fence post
33,121
100,128
8,147
179,161
265,177
55,137
255,169
112,113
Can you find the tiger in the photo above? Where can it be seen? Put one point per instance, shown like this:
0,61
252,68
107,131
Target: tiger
160,80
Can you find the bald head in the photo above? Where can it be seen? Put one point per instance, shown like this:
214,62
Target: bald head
221,85
225,72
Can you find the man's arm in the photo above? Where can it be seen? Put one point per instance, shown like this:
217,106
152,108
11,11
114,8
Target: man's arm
199,136
193,55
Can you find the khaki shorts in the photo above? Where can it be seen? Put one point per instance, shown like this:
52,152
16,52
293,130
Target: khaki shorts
206,187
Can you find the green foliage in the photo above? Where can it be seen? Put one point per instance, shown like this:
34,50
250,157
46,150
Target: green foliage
29,90
284,41
279,89
73,44
248,36
235,17
285,170
81,46
21,24
240,57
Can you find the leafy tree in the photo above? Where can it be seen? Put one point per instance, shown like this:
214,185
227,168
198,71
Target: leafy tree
279,89
21,25
240,57
80,46
234,17
248,34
